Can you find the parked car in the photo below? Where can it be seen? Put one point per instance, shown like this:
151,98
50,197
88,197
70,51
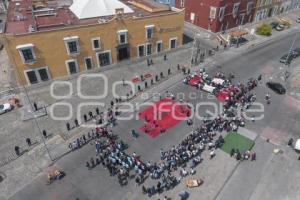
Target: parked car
280,27
297,50
5,108
240,40
277,26
276,87
274,24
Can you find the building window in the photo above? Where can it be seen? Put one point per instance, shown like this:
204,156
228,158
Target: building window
122,37
221,13
104,58
141,50
72,66
173,43
149,49
182,2
149,31
27,53
88,63
235,9
96,43
192,16
44,74
212,12
158,46
37,75
72,45
249,7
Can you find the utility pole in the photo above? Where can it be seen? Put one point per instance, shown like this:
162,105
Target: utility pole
287,61
196,51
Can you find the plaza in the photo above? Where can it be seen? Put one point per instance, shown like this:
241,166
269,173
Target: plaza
270,176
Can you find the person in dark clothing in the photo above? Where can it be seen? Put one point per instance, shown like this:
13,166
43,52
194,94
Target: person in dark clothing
35,106
28,141
76,122
165,57
158,187
238,156
161,74
44,134
91,114
17,150
144,189
68,126
232,152
92,161
85,118
88,165
84,138
97,111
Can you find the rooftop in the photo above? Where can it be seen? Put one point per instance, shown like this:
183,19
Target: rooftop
27,16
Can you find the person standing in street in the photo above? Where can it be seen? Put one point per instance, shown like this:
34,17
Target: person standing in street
28,141
44,134
17,150
35,106
68,126
76,122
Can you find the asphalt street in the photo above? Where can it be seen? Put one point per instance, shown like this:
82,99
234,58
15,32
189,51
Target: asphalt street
278,125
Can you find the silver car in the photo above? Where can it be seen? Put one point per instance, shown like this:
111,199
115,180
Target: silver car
5,108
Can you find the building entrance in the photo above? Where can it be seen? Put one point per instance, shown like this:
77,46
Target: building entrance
123,53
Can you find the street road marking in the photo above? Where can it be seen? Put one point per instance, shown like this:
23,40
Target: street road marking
275,136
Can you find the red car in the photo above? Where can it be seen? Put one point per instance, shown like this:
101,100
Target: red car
195,80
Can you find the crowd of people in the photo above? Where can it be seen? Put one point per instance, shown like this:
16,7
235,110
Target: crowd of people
177,162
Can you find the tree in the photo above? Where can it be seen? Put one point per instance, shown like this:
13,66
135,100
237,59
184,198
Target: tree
264,29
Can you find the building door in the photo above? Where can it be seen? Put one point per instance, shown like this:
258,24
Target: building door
32,77
37,75
123,53
104,58
88,63
43,74
159,47
72,67
173,43
141,50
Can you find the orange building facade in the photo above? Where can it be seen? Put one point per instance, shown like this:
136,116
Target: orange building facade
49,49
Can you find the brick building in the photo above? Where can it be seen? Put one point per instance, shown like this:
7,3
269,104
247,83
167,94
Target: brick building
218,15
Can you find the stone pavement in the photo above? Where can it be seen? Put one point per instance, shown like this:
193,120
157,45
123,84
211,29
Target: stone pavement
248,173
247,133
6,73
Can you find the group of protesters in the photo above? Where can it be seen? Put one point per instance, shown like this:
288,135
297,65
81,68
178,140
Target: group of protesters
182,158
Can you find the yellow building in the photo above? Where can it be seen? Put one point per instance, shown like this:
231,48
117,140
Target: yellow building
50,39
